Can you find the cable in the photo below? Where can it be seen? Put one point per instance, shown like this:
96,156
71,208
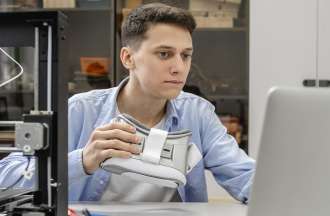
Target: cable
20,66
86,212
21,177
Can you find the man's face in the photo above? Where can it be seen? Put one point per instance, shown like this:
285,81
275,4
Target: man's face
162,62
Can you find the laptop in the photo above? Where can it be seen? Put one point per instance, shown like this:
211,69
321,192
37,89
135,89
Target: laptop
293,166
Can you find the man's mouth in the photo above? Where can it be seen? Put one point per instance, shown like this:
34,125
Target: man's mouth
174,81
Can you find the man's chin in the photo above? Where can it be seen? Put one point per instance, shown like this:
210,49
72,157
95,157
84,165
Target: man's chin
171,95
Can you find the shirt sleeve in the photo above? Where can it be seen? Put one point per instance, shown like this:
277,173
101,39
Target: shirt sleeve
230,165
75,121
12,169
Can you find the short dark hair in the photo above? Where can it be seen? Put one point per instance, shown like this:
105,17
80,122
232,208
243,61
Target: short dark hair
141,18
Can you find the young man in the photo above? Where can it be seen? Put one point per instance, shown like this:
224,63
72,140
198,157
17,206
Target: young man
157,50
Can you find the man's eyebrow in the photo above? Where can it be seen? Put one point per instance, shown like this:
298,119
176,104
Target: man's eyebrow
172,48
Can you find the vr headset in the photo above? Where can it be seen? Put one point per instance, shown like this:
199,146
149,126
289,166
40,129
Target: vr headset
165,159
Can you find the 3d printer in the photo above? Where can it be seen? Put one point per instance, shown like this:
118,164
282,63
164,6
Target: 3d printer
42,134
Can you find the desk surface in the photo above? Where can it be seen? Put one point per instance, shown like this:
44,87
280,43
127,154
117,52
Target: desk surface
168,209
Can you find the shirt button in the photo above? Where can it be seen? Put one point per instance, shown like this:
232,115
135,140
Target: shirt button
101,182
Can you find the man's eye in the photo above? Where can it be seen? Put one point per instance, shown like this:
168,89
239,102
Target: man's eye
186,56
163,55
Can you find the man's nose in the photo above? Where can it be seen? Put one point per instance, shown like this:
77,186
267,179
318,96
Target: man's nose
178,65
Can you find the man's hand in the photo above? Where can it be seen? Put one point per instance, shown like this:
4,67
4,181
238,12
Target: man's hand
116,139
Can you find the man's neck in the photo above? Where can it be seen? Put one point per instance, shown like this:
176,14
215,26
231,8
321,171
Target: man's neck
147,110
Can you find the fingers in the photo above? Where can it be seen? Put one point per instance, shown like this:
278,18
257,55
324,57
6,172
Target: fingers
116,139
116,134
116,130
117,125
118,145
109,153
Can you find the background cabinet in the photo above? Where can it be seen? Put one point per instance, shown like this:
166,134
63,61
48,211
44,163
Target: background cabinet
323,44
288,44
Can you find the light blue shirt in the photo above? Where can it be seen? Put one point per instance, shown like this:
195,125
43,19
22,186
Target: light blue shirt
230,166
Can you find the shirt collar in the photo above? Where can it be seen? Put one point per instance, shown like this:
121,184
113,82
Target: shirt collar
109,109
172,117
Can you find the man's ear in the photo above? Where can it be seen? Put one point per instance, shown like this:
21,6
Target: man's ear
126,57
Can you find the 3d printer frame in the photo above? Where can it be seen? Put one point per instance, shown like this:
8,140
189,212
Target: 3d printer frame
43,132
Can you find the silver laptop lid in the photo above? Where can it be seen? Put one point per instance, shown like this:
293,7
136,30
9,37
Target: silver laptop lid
293,165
